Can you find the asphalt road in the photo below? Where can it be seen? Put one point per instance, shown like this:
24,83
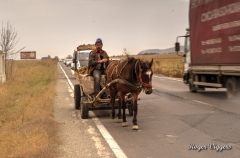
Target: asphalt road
176,123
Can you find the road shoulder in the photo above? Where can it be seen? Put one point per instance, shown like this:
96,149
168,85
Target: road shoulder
79,138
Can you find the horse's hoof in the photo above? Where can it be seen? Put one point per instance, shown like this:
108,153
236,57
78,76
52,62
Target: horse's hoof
120,121
135,127
124,124
113,117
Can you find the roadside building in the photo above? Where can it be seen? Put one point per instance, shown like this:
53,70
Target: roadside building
2,67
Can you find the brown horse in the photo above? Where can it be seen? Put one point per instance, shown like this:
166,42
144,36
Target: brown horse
135,76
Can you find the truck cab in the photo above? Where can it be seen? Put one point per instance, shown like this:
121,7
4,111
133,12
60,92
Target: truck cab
80,59
83,57
187,57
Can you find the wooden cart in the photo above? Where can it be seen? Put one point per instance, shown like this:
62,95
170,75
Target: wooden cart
85,101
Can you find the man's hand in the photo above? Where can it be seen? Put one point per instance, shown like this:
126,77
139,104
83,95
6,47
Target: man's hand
102,61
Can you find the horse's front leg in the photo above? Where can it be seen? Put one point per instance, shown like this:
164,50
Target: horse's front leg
135,110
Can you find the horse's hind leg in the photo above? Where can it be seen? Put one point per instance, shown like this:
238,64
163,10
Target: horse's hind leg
122,98
112,94
119,111
135,110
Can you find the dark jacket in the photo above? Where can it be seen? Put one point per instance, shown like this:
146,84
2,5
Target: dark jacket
93,60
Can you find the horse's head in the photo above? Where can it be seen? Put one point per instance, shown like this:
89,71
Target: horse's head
146,76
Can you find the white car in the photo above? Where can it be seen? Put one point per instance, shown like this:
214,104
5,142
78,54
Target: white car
68,62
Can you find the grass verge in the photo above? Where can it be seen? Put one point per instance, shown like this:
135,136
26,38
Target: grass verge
27,126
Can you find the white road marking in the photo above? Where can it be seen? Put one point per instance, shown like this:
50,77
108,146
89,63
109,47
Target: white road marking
107,136
70,83
171,136
170,78
202,103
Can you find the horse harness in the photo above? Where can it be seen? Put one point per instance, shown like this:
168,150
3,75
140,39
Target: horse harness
139,76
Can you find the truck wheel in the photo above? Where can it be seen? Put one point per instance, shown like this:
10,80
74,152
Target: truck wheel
84,111
77,96
231,88
192,88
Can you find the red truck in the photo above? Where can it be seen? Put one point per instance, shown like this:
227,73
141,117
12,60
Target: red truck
212,46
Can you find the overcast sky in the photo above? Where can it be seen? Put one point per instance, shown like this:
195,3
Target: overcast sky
57,27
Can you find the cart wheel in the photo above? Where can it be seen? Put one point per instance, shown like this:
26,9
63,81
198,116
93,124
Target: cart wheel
130,109
77,96
84,111
130,105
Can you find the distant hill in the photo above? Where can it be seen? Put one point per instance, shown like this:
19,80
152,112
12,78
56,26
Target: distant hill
160,51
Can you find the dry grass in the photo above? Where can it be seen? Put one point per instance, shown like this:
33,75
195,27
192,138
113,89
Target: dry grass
27,128
170,65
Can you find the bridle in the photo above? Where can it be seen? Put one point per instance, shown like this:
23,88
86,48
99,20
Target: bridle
142,84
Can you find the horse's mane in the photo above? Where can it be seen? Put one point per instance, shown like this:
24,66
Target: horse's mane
132,61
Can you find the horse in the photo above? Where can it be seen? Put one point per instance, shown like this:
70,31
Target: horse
135,75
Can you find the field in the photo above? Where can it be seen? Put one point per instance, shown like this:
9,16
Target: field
27,127
170,65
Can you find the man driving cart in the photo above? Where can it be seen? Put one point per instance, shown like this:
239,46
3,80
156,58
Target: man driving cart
97,65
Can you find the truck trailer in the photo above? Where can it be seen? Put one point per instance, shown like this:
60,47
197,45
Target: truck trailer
212,46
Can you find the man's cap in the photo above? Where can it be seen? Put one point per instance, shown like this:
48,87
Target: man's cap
98,41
